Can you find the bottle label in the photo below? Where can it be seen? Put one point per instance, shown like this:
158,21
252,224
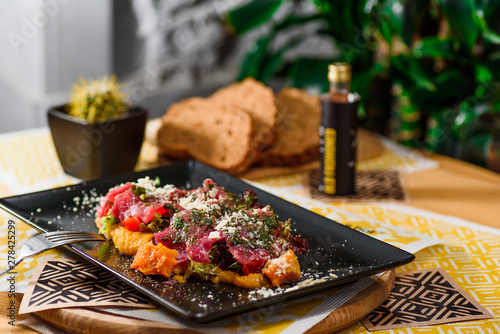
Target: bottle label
329,168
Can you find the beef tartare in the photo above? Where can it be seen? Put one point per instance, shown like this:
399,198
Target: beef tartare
206,232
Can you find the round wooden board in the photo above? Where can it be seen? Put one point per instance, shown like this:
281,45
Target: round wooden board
78,320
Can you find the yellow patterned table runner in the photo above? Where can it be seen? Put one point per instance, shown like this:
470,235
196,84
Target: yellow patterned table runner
469,253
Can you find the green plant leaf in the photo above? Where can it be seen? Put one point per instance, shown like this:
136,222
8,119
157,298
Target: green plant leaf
310,74
323,6
490,8
362,81
491,36
394,13
346,13
401,17
495,99
483,74
338,26
434,46
275,62
452,85
412,15
414,70
460,17
488,34
294,20
251,64
386,32
493,62
263,65
381,20
252,15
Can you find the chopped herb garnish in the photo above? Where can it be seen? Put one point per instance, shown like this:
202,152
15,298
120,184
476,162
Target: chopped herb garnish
158,223
235,266
139,191
144,228
179,223
171,208
106,222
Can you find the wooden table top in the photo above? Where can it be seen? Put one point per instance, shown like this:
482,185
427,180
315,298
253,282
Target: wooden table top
455,188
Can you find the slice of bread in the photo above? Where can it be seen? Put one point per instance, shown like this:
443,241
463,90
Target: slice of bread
259,101
298,136
217,134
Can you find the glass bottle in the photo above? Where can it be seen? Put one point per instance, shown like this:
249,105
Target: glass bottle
338,133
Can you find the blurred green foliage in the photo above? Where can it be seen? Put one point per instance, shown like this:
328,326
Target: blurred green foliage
431,66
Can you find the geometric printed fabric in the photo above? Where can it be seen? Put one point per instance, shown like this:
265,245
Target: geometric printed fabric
70,283
424,297
386,185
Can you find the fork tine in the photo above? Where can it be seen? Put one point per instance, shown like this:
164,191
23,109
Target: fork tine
88,238
79,237
72,235
69,235
64,233
58,233
62,243
75,238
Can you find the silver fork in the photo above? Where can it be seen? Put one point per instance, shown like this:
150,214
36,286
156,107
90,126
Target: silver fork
45,241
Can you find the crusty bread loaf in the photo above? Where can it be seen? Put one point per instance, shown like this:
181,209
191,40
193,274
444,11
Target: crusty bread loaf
298,136
218,134
259,101
241,125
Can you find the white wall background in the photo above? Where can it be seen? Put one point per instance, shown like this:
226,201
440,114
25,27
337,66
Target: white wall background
44,47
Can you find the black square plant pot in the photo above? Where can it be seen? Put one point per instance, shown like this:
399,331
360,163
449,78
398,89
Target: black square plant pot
93,150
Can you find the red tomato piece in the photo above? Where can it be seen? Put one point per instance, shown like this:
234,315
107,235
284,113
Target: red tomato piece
150,214
132,224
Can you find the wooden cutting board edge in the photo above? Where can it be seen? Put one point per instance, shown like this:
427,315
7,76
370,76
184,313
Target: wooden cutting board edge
79,320
358,307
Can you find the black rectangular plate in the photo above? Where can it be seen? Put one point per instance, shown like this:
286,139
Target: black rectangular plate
334,248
